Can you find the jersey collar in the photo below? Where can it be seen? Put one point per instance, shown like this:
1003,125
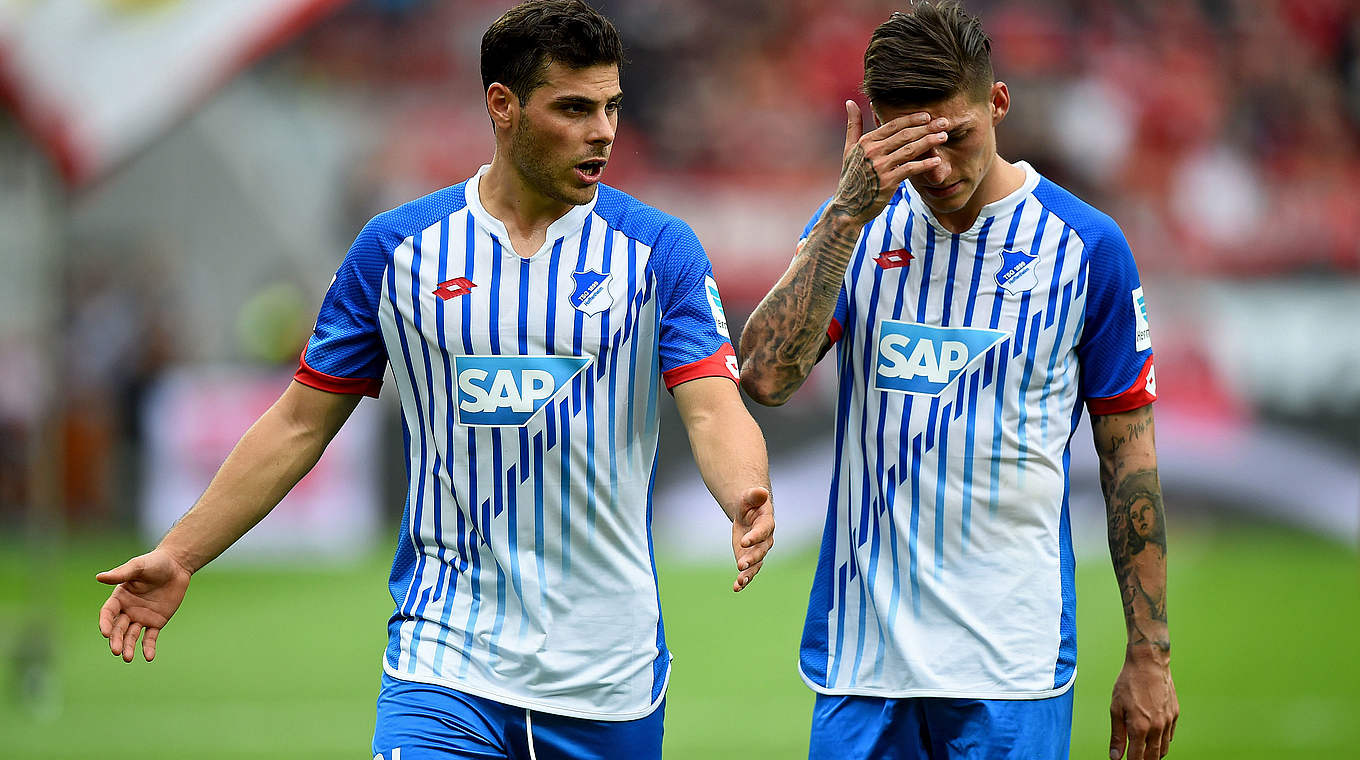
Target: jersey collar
995,208
565,225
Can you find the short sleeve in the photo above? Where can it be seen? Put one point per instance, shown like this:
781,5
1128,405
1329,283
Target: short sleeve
837,326
694,342
1115,351
345,353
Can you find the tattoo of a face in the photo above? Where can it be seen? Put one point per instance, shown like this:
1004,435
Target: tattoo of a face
858,187
1137,525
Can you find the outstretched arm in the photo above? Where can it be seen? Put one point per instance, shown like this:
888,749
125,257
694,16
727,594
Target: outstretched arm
273,455
730,452
786,334
1144,709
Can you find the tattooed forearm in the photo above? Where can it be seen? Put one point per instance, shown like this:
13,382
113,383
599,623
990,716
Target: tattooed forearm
786,334
1137,523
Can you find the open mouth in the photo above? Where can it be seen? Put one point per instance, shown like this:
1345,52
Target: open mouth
591,169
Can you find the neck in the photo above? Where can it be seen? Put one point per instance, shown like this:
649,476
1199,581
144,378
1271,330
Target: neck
1002,179
508,197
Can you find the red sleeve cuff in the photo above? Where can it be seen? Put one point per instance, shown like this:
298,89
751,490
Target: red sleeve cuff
721,363
365,386
834,331
1140,394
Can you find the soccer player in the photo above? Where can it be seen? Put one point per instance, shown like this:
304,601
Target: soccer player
975,306
531,317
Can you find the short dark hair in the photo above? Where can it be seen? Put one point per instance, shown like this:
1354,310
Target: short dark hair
526,39
930,53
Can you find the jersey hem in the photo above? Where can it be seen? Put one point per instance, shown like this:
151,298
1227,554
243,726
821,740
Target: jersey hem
945,693
531,704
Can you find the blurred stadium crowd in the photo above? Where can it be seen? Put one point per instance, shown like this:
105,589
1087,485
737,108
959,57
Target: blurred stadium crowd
1223,135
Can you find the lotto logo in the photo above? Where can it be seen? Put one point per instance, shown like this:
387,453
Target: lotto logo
458,286
924,360
507,391
894,259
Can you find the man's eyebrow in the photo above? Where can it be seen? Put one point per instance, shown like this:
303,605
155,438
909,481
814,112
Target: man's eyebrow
582,100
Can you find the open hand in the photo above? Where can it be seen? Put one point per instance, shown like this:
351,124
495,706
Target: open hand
149,590
752,534
875,163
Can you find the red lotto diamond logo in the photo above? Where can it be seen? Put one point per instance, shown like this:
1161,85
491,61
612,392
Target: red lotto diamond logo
893,259
458,286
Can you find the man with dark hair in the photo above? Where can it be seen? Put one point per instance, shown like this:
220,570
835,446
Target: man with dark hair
530,316
975,306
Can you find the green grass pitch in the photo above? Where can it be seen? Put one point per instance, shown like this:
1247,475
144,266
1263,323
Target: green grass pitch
284,664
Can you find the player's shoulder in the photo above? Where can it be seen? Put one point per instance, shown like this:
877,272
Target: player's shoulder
388,229
644,223
1093,227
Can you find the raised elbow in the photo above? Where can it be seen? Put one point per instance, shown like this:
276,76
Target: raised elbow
763,390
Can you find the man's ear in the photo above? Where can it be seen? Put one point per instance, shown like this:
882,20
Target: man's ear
1000,102
502,106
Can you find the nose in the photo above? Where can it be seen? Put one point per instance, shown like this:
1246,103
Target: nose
602,128
940,172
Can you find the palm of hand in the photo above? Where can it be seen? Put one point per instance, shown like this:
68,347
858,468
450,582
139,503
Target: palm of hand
148,590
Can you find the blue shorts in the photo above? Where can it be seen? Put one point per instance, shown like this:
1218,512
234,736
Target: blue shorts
928,728
419,721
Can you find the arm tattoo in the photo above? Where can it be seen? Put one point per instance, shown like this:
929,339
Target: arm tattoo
1137,533
1137,522
786,334
858,187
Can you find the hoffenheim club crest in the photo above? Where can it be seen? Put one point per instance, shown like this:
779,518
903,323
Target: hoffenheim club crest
591,295
1017,272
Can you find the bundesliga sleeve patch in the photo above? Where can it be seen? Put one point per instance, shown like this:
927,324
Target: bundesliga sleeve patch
715,304
1142,333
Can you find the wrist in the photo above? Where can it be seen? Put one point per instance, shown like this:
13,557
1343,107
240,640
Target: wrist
841,224
180,559
1147,651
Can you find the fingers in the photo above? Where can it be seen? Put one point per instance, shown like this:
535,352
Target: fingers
130,641
906,130
1153,750
854,125
1139,741
745,577
754,555
1118,733
107,613
149,644
120,626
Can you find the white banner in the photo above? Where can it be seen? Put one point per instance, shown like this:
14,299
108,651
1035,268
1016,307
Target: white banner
96,80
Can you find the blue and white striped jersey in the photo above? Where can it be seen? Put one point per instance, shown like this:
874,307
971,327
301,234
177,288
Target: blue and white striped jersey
946,563
529,391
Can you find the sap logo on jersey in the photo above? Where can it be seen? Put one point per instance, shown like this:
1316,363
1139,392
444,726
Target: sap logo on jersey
507,391
924,360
